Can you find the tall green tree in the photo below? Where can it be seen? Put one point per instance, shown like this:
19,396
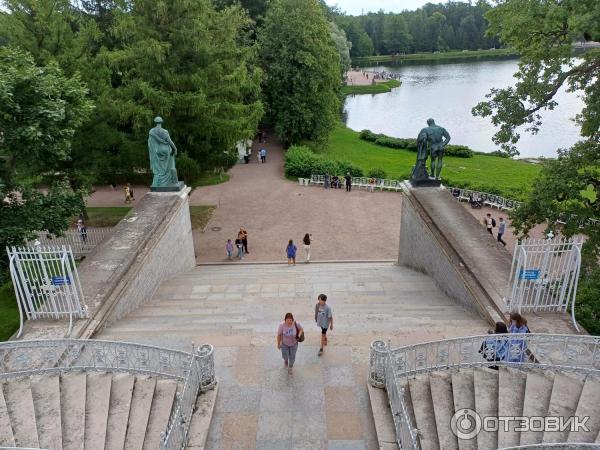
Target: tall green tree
396,37
302,70
40,111
342,44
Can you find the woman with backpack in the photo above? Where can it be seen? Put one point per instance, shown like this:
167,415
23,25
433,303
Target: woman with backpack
289,334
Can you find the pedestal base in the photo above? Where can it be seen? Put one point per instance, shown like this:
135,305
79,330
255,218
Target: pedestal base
428,182
178,187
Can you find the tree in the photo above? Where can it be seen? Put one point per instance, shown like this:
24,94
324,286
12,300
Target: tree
302,70
342,44
40,111
396,37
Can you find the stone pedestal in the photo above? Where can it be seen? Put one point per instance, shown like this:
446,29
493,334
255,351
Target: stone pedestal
178,187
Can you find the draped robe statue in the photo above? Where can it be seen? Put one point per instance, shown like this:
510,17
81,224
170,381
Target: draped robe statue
162,158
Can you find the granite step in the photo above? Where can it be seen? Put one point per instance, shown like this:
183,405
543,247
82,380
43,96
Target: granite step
485,382
162,405
141,404
19,402
118,414
443,406
422,402
511,394
538,390
588,406
6,434
46,400
463,394
73,388
563,403
96,409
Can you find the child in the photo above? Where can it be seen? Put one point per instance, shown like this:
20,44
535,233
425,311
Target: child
240,247
324,319
291,252
229,249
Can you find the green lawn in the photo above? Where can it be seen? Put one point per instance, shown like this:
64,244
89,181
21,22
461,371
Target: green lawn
9,312
105,216
209,179
504,176
200,215
429,56
377,88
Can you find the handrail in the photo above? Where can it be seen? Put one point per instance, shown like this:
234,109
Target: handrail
556,445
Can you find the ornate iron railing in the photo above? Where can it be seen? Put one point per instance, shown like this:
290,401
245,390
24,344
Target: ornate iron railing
194,371
389,367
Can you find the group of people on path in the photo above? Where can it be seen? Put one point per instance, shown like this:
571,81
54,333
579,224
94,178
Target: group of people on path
335,182
490,224
291,250
291,332
510,349
241,245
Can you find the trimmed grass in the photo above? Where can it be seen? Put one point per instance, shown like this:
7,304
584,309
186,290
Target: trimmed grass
377,88
510,178
208,179
200,215
457,54
9,312
105,216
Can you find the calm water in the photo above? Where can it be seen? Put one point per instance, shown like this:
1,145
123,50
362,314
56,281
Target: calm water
447,92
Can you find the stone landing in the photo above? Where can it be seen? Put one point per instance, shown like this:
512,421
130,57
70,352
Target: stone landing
325,403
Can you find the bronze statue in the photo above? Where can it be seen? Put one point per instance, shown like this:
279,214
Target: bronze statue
431,142
162,159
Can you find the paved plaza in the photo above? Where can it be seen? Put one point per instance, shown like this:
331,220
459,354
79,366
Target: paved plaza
324,404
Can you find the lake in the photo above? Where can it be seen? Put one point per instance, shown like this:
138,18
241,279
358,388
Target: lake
447,91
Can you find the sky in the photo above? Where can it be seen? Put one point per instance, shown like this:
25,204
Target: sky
355,7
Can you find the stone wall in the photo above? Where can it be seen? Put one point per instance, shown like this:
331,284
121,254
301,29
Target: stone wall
427,248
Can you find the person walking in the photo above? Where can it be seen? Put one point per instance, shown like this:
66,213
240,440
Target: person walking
489,223
326,181
501,228
244,236
127,191
291,253
307,242
348,179
263,155
239,243
324,319
229,249
82,230
289,334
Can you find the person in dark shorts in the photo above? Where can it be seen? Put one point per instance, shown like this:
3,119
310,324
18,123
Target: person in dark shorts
348,179
324,319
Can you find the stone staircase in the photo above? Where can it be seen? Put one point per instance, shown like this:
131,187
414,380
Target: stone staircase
432,399
77,411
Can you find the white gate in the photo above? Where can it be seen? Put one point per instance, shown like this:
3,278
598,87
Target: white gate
544,275
46,283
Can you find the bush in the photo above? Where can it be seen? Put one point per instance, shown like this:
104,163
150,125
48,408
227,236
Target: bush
459,151
587,305
188,169
301,162
377,173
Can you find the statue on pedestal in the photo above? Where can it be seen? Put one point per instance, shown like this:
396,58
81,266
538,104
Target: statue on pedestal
162,159
431,141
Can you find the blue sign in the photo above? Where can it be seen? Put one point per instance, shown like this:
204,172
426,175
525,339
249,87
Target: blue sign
60,281
529,274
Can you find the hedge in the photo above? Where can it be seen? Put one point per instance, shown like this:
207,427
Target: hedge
300,161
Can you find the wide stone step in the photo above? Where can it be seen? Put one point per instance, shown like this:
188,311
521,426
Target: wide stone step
6,435
588,406
463,394
118,414
162,405
73,388
538,390
486,404
563,403
443,406
141,404
96,409
420,393
19,402
46,400
511,394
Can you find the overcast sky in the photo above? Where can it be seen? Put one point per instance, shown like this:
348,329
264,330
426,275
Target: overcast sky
355,7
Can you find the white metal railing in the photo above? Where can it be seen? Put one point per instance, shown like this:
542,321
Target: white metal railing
556,446
544,275
194,370
491,200
82,242
389,366
368,183
46,284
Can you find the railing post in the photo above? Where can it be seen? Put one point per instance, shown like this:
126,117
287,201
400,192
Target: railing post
377,362
206,362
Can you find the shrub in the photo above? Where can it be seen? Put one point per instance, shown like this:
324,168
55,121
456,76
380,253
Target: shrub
377,172
301,162
460,151
587,305
188,169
